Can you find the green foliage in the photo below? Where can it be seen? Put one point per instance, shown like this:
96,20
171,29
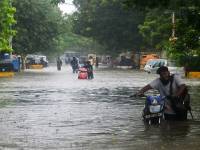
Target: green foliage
70,41
43,29
57,1
143,4
156,29
79,43
187,27
188,33
6,22
108,23
39,25
164,4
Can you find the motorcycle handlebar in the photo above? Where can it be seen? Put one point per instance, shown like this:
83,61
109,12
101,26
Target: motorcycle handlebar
145,96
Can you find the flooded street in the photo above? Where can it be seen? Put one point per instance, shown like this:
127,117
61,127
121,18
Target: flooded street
47,109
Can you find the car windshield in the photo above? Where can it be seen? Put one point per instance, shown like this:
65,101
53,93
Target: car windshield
151,62
159,63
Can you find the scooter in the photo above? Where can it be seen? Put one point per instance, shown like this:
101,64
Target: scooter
82,73
153,109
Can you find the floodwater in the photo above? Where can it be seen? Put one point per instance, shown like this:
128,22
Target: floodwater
51,110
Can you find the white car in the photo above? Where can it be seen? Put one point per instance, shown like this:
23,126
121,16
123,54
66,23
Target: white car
152,66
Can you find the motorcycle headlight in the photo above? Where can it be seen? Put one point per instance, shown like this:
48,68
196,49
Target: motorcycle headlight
155,102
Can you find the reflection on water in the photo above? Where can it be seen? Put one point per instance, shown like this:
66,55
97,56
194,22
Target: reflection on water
54,110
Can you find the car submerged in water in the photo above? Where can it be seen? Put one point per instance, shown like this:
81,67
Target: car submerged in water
152,66
35,60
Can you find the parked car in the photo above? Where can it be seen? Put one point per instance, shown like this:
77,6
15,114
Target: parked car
10,62
145,58
152,66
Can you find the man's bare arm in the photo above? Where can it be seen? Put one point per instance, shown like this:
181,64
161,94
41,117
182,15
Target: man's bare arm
144,89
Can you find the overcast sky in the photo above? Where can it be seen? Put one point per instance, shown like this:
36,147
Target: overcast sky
67,7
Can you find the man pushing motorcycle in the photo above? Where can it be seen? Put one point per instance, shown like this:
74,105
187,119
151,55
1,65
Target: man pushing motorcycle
177,102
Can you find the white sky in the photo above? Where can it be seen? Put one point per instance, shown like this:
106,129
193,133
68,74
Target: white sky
67,7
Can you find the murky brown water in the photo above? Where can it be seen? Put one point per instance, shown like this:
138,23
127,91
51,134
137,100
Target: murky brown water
54,110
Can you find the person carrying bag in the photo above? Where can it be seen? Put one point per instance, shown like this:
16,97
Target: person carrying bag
181,105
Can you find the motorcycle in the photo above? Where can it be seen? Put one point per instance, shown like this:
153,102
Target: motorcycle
82,73
153,111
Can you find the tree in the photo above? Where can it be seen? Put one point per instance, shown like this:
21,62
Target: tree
156,29
102,21
187,26
6,22
187,44
57,1
41,28
39,25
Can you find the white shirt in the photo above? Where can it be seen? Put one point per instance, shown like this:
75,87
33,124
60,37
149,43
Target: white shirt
164,90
